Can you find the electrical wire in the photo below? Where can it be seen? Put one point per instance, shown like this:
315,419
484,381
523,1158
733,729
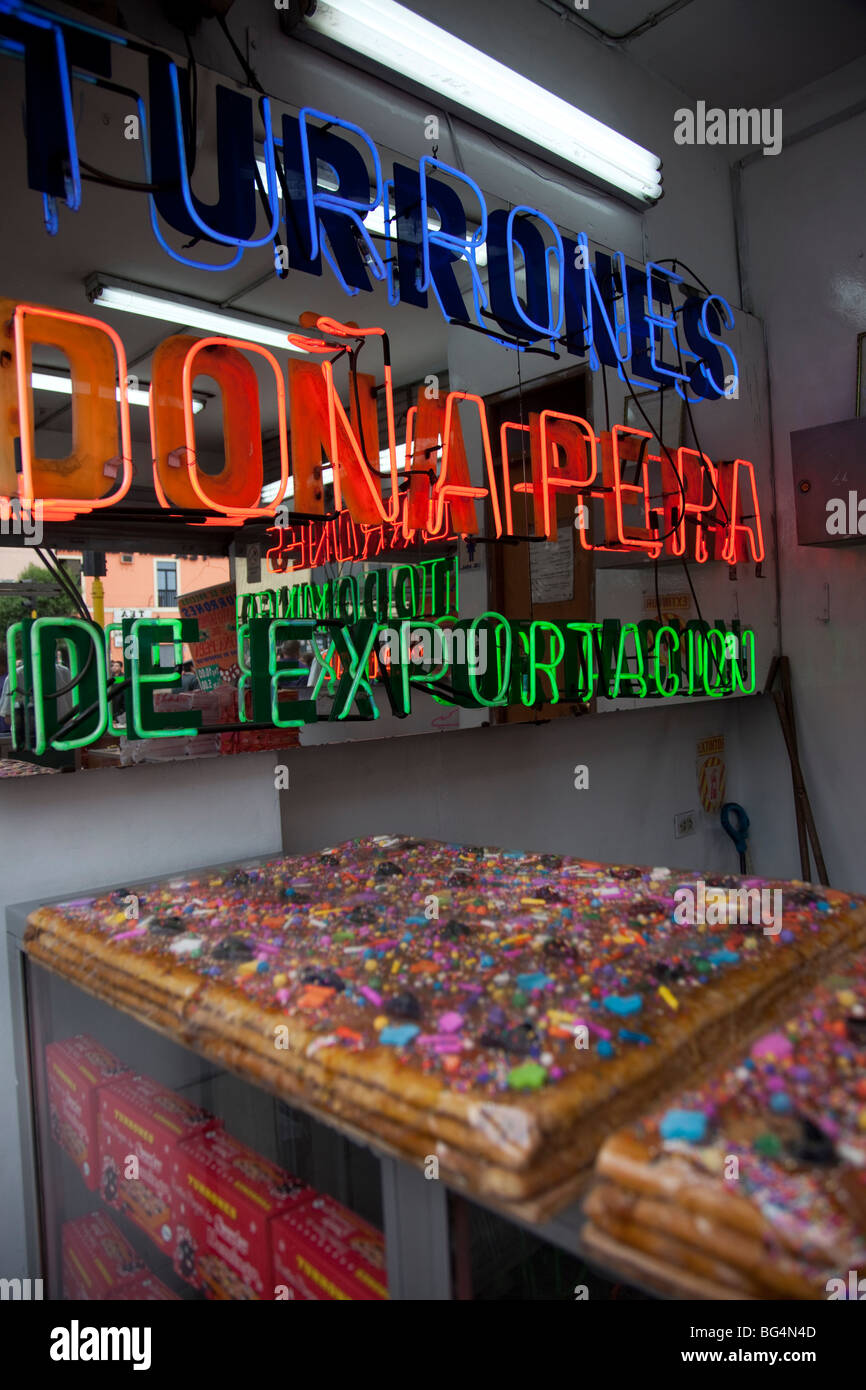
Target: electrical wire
682,489
57,572
674,262
55,569
523,164
523,467
192,78
77,716
288,205
657,435
249,73
94,175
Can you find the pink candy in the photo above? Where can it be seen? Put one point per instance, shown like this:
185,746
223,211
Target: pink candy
449,1023
773,1045
438,1042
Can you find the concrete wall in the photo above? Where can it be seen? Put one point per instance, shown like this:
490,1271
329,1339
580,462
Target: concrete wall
804,238
513,786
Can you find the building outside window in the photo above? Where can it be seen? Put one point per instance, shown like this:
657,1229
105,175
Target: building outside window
166,583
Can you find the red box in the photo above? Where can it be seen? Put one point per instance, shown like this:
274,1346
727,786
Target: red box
75,1069
324,1251
142,1288
139,1118
97,1258
226,1197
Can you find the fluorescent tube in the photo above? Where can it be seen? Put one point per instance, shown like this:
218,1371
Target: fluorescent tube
45,381
110,293
390,34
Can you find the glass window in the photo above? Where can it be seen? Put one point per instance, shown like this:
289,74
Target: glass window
166,583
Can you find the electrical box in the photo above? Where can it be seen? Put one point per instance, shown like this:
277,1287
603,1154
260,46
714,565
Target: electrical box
829,464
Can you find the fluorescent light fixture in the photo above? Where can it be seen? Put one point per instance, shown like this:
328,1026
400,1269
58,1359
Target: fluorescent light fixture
375,220
263,172
270,490
389,34
375,223
46,381
111,293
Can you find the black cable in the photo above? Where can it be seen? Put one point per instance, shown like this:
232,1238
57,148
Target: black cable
522,162
253,81
692,587
658,600
76,680
667,452
675,261
353,377
688,406
93,175
78,716
250,75
680,485
700,452
655,434
192,77
56,570
655,557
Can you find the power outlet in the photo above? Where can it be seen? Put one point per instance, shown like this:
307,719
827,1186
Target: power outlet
684,824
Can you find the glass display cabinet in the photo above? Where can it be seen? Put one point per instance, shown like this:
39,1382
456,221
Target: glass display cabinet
153,1173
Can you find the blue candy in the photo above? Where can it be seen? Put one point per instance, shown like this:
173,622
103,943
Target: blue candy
684,1124
398,1035
535,980
623,1003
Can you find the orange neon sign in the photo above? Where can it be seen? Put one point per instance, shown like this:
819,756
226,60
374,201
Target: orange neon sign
689,501
97,472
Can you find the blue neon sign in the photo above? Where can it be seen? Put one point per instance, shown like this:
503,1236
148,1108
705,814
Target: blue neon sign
603,309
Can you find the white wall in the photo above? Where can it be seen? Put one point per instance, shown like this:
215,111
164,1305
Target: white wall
513,786
64,832
805,244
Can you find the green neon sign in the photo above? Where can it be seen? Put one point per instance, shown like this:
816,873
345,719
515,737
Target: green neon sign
482,662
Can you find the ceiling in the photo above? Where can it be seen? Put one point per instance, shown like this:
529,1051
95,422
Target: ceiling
733,52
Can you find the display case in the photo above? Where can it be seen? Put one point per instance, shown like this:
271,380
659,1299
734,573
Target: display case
154,1173
311,1077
